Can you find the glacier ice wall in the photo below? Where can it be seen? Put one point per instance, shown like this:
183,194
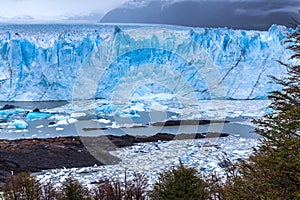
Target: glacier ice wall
61,62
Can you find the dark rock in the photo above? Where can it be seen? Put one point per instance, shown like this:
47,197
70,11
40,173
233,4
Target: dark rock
187,122
3,120
132,112
135,126
7,107
215,134
93,129
34,155
51,123
36,110
225,164
129,140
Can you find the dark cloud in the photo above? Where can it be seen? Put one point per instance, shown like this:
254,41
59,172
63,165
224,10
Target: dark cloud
258,15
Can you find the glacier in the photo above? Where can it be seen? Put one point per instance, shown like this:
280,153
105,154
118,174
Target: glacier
65,62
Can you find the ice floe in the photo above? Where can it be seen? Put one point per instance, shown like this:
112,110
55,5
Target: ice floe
38,115
19,124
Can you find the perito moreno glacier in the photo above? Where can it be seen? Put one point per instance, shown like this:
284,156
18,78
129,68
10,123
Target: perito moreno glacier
65,62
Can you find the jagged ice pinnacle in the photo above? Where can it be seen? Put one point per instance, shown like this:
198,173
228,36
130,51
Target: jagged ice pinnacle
63,62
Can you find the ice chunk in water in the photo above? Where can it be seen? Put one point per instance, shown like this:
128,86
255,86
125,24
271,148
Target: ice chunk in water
19,124
38,115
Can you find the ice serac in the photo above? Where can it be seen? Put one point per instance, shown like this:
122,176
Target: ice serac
58,62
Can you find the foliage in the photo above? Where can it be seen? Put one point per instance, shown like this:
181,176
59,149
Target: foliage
134,189
179,183
73,190
50,192
26,187
22,186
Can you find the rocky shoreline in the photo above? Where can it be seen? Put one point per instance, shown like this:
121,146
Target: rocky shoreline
34,155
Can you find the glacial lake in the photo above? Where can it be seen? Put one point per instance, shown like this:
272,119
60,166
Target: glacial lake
69,119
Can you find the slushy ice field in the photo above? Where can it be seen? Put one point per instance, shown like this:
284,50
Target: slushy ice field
91,80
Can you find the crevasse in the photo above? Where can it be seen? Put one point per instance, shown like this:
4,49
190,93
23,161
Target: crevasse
62,62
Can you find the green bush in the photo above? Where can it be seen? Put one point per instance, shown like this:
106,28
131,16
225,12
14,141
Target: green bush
73,190
179,183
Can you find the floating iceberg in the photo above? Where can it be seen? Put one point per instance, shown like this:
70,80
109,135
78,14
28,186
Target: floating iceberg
108,108
19,124
38,115
11,112
130,114
104,121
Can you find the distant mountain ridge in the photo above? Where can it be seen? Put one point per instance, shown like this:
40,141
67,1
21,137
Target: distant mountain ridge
249,15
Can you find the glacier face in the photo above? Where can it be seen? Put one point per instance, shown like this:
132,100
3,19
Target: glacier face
64,62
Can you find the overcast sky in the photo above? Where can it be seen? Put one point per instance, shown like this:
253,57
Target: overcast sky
55,9
244,13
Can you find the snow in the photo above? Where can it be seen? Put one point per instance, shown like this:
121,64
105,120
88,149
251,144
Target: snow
65,62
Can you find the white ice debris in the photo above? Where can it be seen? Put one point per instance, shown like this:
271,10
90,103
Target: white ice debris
62,122
40,126
78,114
157,106
72,120
206,155
59,129
104,121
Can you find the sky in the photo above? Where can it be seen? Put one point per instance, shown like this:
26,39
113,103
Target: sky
249,14
54,9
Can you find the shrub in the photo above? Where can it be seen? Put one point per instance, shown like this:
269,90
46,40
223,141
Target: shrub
49,192
115,189
73,190
22,186
179,183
